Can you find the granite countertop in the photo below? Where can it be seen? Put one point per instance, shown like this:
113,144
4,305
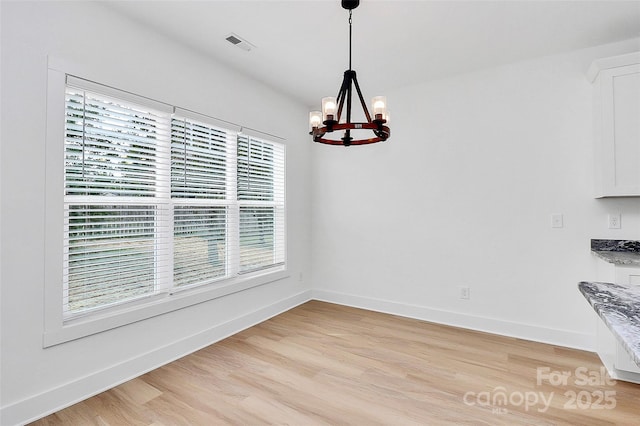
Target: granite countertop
619,307
618,252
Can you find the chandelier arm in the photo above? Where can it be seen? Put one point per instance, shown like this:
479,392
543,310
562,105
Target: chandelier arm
349,91
347,133
341,95
362,102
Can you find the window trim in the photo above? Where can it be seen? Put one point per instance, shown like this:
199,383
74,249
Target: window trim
57,330
277,203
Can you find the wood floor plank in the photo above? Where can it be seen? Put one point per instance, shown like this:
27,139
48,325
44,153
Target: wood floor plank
326,364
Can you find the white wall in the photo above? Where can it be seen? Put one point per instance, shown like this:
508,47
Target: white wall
118,53
462,195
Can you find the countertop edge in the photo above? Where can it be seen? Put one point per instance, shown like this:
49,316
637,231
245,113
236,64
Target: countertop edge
618,258
584,287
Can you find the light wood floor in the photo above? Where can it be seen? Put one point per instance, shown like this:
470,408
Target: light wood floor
327,364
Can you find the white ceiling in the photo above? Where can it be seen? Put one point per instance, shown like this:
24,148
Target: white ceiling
302,46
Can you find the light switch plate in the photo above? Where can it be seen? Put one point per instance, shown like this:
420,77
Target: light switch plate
557,221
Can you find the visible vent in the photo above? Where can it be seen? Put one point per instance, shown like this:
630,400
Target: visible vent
236,40
233,39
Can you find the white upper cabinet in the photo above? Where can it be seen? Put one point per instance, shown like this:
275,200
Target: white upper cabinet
616,83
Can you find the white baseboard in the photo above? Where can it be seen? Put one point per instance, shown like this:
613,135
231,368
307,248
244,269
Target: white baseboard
566,338
53,400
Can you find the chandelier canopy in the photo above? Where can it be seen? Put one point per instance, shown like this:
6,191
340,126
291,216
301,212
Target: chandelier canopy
331,119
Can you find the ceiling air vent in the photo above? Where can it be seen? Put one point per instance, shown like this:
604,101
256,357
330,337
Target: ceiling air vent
236,40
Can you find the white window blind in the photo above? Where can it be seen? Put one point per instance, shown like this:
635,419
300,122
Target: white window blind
111,254
111,147
157,202
261,203
200,242
199,156
113,190
203,190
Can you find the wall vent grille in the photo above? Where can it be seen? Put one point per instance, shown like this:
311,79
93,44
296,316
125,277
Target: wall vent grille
238,41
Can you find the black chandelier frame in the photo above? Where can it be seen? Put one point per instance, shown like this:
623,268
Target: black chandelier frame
345,94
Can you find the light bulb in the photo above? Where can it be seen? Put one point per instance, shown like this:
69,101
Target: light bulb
315,120
328,108
379,106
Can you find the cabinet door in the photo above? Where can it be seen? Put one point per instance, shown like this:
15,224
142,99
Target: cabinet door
620,138
630,276
624,361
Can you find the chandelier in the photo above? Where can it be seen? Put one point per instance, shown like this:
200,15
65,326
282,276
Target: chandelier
330,119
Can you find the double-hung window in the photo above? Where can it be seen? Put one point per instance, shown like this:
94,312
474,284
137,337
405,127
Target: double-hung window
114,201
261,204
203,197
157,202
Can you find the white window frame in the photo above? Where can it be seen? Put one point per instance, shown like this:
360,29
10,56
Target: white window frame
228,202
278,201
58,329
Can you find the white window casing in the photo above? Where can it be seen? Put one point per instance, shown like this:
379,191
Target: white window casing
153,207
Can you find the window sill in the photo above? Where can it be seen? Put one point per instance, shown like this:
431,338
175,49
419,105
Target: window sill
159,304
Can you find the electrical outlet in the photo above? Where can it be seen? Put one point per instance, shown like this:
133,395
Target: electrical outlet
465,293
614,221
556,221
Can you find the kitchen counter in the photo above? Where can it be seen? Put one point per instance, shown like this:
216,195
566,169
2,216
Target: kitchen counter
619,258
618,252
619,307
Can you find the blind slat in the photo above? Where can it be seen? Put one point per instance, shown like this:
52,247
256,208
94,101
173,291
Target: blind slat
200,155
153,201
260,179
